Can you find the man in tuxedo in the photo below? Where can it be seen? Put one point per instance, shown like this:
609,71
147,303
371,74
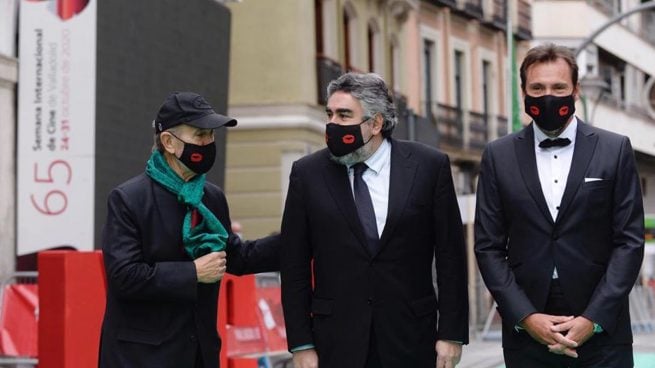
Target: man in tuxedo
559,227
363,221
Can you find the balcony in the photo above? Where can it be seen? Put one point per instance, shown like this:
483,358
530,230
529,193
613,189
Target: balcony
473,8
327,70
524,29
450,126
478,131
609,7
648,26
501,125
448,3
495,17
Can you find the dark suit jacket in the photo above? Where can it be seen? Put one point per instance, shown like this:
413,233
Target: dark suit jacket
596,242
391,292
157,314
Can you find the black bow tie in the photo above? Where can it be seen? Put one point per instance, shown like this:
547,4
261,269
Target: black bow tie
557,142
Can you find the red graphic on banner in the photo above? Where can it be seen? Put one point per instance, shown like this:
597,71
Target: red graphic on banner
67,9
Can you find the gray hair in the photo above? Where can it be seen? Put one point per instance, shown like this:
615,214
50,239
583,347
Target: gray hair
156,140
372,92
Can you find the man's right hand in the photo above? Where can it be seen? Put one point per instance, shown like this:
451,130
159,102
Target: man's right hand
211,267
305,359
539,326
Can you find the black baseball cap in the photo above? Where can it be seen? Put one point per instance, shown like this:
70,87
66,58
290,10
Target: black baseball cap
191,109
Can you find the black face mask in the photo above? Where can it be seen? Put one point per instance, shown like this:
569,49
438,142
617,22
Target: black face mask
549,112
198,159
344,139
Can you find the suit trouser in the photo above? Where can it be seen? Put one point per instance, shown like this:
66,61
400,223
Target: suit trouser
373,357
536,355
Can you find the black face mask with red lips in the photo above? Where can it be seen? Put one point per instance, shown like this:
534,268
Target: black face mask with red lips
344,139
549,112
196,158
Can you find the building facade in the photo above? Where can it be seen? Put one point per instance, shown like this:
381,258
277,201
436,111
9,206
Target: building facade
8,104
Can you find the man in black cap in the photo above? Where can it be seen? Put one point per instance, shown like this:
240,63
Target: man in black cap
167,243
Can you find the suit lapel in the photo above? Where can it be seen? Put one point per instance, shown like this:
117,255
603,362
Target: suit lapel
402,172
338,184
524,149
585,144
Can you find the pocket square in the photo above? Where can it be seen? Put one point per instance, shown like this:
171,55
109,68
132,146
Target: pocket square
589,180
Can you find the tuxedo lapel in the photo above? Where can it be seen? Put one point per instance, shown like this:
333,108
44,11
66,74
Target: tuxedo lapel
338,184
402,172
585,144
524,149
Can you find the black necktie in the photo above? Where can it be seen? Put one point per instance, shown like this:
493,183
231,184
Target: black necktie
365,208
557,142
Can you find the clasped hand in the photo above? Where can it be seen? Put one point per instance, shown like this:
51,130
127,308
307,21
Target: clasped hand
562,334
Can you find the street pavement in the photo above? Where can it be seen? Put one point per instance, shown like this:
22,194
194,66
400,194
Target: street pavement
489,354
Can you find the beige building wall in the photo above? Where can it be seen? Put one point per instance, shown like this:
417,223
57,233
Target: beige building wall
272,52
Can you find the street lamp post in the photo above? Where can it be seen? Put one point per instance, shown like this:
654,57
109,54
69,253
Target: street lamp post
593,88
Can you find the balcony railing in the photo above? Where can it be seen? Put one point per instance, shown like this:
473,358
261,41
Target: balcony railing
478,131
449,124
473,8
499,18
501,125
609,7
449,3
648,26
326,71
524,29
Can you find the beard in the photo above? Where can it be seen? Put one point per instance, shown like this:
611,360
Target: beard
359,155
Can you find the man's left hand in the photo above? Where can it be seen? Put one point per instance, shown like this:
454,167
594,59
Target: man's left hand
579,329
448,353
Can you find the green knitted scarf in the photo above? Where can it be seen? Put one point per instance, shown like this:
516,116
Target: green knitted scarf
207,236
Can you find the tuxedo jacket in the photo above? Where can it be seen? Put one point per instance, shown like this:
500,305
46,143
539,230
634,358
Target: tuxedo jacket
596,242
157,314
335,293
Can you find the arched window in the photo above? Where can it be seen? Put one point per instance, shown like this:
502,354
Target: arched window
374,47
349,35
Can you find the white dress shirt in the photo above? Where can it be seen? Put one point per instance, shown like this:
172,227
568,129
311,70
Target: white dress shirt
377,178
553,165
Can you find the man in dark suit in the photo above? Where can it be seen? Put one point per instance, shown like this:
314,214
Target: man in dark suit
167,243
363,221
559,227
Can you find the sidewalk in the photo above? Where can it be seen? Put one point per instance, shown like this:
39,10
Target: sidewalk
489,354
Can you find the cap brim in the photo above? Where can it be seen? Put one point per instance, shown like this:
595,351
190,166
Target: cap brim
213,121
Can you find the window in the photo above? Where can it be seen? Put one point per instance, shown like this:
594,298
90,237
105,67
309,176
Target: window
459,69
318,19
428,50
486,85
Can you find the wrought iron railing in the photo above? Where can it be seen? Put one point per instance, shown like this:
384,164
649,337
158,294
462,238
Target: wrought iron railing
501,125
449,121
478,130
524,29
326,71
474,8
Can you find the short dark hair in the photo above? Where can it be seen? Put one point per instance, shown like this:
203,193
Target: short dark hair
372,92
549,53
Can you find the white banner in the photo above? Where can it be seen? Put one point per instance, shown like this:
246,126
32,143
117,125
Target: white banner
56,124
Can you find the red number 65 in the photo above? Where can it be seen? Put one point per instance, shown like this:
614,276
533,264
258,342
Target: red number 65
47,201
